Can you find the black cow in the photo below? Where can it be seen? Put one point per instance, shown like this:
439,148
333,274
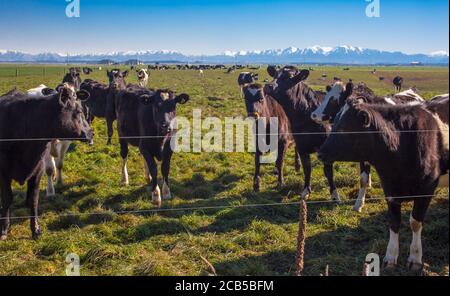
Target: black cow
398,81
298,101
101,103
334,102
144,120
409,148
73,77
262,106
43,119
87,70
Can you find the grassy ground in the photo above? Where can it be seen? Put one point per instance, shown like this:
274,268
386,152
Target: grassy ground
237,240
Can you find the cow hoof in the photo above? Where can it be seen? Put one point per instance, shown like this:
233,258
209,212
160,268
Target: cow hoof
280,186
414,266
36,236
50,194
275,171
156,197
257,184
166,192
335,196
3,237
357,208
305,194
390,263
297,168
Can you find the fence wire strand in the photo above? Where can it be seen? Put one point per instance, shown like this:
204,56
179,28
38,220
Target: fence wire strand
205,208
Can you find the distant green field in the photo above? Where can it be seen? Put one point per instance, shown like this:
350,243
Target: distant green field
235,240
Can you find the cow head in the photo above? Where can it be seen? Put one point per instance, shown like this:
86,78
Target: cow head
71,121
286,78
164,107
73,78
247,78
117,78
255,101
333,101
142,74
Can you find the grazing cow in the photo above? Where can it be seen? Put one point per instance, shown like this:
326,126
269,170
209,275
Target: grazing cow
409,148
298,101
87,70
144,120
334,102
73,77
39,120
101,102
381,78
398,81
142,77
259,105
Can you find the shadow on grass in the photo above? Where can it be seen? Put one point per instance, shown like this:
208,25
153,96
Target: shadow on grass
370,236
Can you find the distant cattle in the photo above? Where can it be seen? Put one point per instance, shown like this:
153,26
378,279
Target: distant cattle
409,148
298,101
260,105
324,75
144,120
334,102
398,82
87,70
27,125
381,78
346,69
142,77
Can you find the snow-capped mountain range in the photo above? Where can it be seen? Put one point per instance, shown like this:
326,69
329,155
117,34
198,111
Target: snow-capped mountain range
309,55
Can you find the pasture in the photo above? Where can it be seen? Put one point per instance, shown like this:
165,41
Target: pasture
115,232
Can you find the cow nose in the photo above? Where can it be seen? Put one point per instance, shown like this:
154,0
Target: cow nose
314,116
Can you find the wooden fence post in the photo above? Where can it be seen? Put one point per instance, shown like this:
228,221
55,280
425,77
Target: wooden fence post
300,261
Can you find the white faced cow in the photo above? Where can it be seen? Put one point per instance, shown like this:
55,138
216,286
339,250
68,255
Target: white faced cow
334,103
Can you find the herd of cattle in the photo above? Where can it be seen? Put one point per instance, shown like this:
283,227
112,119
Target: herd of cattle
404,137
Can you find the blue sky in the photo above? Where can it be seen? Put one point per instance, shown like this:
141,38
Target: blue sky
213,26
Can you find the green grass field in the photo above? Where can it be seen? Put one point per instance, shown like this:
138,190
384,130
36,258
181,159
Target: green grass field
235,240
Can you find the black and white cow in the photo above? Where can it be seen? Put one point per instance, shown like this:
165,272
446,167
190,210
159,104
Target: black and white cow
144,120
27,125
262,106
298,102
409,148
334,102
142,77
73,77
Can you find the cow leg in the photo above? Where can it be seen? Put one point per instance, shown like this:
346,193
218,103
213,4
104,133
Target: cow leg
364,184
7,196
109,125
63,147
33,202
328,171
306,162
394,210
416,221
153,168
50,171
147,176
124,155
282,149
298,165
165,170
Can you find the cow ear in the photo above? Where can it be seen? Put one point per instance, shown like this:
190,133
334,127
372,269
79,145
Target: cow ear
272,71
48,91
64,96
83,95
303,75
146,99
364,118
329,88
348,89
182,99
125,73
